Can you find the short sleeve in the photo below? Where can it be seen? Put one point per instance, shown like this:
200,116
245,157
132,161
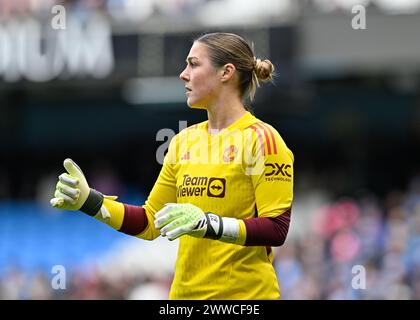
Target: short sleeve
272,174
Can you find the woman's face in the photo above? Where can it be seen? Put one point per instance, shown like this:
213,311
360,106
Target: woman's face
202,80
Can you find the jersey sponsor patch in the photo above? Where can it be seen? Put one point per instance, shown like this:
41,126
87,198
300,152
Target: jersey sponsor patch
201,187
278,172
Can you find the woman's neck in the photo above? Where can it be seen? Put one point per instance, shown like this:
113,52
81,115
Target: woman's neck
223,115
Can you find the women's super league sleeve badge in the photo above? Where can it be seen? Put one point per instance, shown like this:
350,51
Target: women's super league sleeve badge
230,153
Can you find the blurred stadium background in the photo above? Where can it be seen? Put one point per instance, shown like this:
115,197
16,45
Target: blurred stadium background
346,101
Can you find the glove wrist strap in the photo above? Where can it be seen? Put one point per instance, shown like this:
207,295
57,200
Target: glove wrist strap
214,226
223,229
93,203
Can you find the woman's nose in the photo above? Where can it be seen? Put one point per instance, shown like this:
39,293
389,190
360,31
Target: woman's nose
183,76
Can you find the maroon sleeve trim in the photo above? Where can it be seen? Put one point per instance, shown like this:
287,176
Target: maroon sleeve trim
135,220
267,231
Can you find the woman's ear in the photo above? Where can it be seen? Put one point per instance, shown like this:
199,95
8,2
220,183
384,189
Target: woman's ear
228,71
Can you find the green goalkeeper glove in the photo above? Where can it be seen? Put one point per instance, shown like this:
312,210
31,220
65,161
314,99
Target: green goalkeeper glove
177,219
73,193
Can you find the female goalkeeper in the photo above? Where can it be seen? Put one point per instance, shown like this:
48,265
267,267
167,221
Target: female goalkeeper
225,188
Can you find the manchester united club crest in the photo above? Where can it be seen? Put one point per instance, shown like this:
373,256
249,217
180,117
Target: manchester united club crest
230,153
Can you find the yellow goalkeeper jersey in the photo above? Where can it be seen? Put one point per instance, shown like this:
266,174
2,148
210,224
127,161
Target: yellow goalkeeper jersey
243,171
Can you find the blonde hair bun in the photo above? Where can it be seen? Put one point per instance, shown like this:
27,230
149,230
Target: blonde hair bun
264,70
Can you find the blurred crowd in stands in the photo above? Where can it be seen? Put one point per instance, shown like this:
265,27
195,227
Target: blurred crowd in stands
156,14
80,286
117,8
138,11
348,248
381,237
